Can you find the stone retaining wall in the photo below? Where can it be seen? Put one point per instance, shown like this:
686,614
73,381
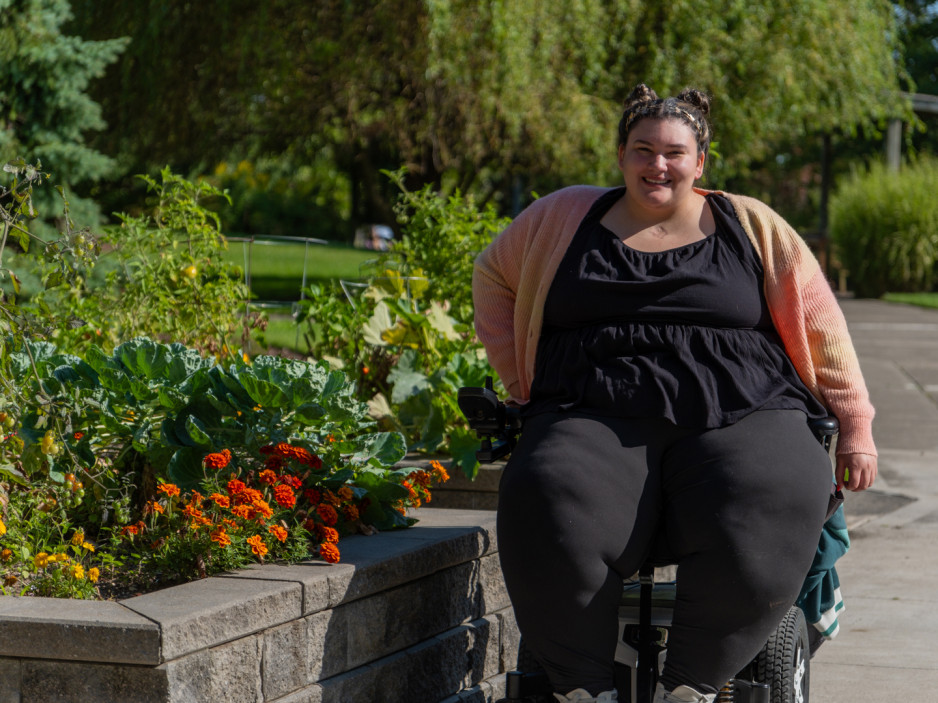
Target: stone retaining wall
415,616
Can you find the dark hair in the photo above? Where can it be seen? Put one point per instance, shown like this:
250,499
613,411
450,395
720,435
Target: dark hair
691,106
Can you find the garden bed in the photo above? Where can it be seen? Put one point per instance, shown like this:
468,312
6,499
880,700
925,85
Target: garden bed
412,615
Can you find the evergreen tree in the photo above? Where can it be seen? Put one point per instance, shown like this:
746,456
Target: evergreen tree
45,109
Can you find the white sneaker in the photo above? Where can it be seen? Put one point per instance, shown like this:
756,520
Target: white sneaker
582,696
682,694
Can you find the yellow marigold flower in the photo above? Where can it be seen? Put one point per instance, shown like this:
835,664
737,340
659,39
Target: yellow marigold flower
78,571
88,546
78,537
40,560
6,555
3,528
93,574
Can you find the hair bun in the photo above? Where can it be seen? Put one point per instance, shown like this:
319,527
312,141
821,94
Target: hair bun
640,94
697,99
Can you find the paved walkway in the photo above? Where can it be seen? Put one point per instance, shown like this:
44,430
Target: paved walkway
887,649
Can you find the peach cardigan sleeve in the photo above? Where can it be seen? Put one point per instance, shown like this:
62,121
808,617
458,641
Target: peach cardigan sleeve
513,276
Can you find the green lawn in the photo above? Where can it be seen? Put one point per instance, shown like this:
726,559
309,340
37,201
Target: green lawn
277,268
924,300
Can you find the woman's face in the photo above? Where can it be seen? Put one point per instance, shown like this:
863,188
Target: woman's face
660,163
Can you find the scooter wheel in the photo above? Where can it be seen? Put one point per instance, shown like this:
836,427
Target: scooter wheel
784,662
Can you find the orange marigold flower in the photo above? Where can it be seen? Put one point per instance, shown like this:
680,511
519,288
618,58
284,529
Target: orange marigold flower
221,537
329,552
129,530
235,487
278,532
439,472
412,494
351,513
231,524
252,495
170,489
421,478
245,512
268,477
154,507
345,493
78,435
222,501
217,460
195,499
262,509
326,534
257,545
191,512
331,498
6,555
284,496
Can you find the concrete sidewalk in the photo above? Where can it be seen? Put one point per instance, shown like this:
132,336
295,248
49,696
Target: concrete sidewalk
887,649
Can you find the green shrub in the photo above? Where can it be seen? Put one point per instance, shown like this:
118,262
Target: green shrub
884,228
441,236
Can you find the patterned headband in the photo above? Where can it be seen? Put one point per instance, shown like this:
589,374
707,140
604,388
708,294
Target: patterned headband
689,117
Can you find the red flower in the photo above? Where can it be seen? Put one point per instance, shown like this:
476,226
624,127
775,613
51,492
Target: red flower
78,435
312,495
328,514
291,481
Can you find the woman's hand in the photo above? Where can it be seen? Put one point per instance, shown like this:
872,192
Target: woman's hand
855,472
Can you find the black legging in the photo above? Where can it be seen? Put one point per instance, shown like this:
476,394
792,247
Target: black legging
584,497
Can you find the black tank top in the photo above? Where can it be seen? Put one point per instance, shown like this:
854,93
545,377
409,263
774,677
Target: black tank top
683,334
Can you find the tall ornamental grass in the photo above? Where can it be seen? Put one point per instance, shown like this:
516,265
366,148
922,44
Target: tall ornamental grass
884,228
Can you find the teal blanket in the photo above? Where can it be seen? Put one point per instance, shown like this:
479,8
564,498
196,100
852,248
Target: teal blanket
820,597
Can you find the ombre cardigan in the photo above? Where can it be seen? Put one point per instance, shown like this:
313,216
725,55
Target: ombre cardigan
514,273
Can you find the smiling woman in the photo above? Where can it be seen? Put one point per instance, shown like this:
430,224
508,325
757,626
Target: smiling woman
668,345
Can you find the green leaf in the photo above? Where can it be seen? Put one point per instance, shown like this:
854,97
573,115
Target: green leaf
385,448
406,379
463,445
379,322
13,474
197,432
185,468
